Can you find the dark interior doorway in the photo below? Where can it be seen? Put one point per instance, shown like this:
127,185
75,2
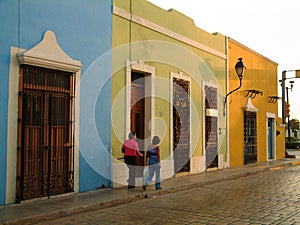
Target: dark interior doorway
137,117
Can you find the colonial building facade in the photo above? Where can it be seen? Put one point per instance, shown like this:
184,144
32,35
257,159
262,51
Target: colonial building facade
78,77
256,133
169,80
46,136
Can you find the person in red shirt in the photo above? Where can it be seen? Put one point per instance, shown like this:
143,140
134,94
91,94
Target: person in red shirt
130,153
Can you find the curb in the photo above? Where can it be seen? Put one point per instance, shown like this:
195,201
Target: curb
296,163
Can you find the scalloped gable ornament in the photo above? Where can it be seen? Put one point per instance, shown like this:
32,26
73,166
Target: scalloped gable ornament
48,54
249,107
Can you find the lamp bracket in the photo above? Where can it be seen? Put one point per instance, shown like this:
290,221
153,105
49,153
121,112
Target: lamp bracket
252,93
273,99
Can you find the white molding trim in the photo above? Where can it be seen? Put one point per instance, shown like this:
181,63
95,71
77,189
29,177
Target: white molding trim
249,107
12,127
48,54
37,56
212,112
148,24
139,66
271,115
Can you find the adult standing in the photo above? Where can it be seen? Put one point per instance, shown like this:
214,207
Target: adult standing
153,154
131,150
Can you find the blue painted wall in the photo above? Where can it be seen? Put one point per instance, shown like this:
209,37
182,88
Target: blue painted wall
83,31
8,25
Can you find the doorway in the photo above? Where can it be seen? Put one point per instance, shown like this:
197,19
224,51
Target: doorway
137,115
250,137
140,105
271,141
45,162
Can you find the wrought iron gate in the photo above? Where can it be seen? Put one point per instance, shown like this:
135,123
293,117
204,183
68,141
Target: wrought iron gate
250,137
45,133
211,127
181,125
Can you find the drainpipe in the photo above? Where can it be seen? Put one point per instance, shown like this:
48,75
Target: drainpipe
226,90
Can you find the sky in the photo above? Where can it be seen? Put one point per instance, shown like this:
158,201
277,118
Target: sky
269,27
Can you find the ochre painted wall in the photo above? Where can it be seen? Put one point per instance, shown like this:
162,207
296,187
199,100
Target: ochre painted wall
261,75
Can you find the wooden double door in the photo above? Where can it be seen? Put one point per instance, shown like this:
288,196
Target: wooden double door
45,147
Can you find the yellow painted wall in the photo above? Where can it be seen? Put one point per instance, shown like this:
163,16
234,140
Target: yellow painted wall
191,61
261,74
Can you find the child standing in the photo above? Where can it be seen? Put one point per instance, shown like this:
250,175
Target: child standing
153,154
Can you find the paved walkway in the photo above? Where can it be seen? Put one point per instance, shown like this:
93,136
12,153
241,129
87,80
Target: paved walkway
29,212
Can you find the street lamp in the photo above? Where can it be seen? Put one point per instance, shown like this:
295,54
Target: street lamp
283,89
240,70
287,114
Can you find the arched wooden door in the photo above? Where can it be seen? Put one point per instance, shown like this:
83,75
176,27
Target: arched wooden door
45,146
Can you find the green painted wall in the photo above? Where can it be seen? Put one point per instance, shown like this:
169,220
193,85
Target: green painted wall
166,54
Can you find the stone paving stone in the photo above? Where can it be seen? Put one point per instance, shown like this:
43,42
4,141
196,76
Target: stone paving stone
269,197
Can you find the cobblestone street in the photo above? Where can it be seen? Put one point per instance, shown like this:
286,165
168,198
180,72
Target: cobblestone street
271,197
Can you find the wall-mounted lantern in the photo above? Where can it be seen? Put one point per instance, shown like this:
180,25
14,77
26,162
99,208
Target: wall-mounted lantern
240,70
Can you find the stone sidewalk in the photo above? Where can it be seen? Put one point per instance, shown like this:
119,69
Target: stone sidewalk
29,212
